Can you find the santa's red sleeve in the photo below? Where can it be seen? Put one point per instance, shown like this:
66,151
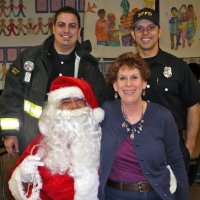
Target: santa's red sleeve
54,187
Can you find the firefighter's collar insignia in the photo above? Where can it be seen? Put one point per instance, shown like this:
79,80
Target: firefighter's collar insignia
15,71
167,72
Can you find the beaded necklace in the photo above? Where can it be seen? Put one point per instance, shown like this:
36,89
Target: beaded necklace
131,129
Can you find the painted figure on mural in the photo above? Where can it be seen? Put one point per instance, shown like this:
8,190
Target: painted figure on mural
101,28
49,25
11,7
174,29
113,30
39,26
2,8
21,27
192,25
126,24
3,71
30,26
21,8
12,27
3,27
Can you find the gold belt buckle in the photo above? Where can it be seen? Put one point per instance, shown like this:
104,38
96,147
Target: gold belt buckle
140,186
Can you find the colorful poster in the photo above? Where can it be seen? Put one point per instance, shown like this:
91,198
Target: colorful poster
107,24
180,23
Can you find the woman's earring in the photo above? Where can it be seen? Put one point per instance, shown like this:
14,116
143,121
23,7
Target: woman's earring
116,95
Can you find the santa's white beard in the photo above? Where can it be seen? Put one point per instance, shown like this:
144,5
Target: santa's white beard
73,142
72,137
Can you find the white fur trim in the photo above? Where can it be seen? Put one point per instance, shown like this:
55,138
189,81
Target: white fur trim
98,114
86,185
16,186
76,66
65,92
173,182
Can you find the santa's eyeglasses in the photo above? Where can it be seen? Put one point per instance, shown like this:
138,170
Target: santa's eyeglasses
68,102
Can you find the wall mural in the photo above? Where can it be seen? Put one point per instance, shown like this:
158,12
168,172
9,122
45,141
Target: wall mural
181,33
25,23
108,27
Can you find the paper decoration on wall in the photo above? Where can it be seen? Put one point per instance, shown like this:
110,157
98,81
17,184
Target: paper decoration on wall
107,24
180,23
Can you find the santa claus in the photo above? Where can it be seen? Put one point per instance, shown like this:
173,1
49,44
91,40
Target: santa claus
62,162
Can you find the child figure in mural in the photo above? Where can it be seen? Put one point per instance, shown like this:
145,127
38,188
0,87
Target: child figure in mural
12,7
21,27
174,29
49,25
126,24
12,27
39,26
21,8
3,8
184,18
192,25
3,71
30,26
101,28
113,31
3,27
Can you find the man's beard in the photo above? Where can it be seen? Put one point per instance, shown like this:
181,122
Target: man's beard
72,138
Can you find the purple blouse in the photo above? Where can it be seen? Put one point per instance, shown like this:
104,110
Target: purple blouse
126,166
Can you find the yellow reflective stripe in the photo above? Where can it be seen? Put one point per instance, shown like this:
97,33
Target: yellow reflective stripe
9,124
32,109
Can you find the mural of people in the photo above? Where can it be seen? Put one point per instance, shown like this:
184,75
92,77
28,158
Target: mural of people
182,26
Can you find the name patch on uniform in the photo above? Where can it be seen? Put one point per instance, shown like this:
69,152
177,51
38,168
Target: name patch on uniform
15,71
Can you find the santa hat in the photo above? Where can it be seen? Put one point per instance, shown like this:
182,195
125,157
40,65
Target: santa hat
65,87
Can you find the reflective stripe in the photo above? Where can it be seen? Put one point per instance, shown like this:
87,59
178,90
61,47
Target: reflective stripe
9,124
32,109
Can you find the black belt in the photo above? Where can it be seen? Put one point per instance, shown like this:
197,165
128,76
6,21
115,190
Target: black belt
130,186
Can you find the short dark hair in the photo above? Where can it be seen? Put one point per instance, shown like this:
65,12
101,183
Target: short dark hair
132,61
174,8
67,9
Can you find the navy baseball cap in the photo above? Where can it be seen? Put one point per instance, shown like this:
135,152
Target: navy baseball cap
146,13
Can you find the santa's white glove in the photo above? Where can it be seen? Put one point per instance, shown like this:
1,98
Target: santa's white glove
29,167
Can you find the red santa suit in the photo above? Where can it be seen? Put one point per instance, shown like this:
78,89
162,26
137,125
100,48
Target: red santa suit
74,174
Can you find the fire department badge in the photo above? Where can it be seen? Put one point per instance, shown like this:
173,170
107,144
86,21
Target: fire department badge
167,72
28,66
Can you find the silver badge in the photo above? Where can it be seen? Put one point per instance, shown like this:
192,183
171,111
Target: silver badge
167,72
28,66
